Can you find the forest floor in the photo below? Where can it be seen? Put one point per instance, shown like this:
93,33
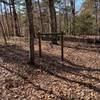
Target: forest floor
76,78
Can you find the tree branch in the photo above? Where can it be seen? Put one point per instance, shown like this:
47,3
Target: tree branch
5,2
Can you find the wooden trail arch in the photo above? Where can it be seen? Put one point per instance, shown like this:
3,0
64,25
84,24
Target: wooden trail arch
51,34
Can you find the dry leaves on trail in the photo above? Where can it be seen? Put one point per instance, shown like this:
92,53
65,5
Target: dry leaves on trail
77,78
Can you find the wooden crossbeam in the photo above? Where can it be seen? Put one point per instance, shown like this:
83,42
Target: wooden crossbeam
51,34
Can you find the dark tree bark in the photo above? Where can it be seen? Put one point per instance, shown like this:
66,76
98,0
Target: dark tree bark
66,16
3,21
16,21
3,33
53,20
96,11
59,19
31,29
7,22
41,18
73,13
12,20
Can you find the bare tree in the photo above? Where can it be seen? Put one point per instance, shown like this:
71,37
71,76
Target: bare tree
41,18
6,19
16,21
3,33
73,13
53,20
31,28
11,19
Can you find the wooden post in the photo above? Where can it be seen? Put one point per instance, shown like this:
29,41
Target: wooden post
62,46
39,34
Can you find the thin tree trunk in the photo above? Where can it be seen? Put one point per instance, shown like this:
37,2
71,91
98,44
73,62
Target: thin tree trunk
12,20
3,33
19,17
7,22
73,13
66,16
31,29
3,21
53,21
70,24
41,18
59,19
16,21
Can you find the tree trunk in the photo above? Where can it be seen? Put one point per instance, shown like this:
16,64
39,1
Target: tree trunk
66,16
73,13
16,21
12,20
53,20
3,21
3,33
59,19
7,22
41,19
31,29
